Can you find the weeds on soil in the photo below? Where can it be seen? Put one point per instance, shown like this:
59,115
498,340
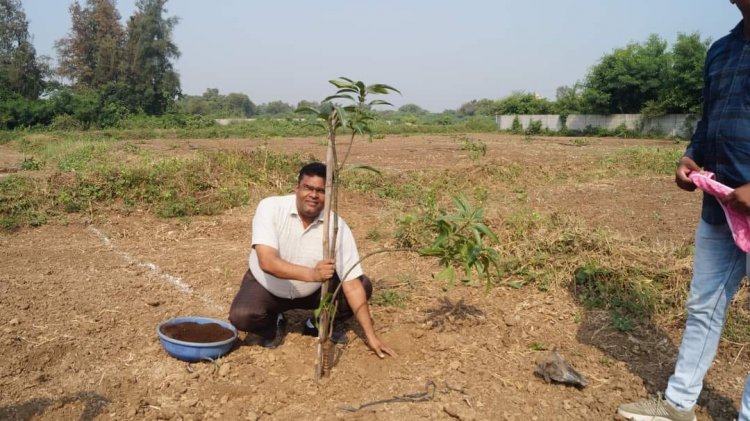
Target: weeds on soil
635,283
88,178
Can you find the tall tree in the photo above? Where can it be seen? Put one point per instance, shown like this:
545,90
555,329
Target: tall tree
148,57
91,55
522,103
648,78
21,73
684,93
628,78
568,99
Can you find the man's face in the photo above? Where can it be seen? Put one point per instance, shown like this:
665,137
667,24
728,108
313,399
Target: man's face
311,196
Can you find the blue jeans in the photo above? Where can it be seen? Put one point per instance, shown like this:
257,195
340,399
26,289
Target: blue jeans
718,267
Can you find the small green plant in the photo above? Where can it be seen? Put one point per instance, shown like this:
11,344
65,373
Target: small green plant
535,127
537,347
516,126
407,279
389,298
30,164
476,148
622,322
581,142
131,148
373,235
481,194
463,245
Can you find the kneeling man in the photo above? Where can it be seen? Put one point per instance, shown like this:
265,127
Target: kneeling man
287,267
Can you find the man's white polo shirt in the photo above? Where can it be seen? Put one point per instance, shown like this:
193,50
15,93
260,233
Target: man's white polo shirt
277,224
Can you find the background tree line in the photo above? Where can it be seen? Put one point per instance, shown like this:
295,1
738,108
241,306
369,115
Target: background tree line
109,73
235,105
106,71
640,78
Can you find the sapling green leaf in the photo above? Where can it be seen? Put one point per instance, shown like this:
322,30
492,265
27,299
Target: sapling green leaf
379,102
382,89
339,96
346,83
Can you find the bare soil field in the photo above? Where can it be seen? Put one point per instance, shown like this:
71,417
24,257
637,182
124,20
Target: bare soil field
79,303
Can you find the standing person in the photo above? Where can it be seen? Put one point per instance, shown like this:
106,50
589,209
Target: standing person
287,268
721,144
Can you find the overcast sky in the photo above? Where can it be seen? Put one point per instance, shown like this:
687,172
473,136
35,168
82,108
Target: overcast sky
438,53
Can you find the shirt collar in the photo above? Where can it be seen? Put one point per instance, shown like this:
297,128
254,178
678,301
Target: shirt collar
739,30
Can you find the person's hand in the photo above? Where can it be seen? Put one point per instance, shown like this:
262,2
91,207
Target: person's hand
323,270
739,199
684,167
380,347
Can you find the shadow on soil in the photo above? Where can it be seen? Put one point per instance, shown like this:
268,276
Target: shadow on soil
648,353
93,404
450,313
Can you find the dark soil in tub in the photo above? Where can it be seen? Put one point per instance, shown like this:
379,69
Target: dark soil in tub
197,332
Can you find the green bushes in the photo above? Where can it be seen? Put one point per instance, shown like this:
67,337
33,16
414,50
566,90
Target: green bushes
535,127
22,112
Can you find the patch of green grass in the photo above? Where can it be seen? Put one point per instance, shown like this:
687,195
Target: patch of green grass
201,184
30,164
408,279
628,295
521,222
537,347
22,201
373,234
8,136
636,160
503,173
737,327
581,142
389,298
80,158
476,148
481,194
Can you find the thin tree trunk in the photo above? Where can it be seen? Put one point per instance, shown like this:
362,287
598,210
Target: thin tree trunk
327,249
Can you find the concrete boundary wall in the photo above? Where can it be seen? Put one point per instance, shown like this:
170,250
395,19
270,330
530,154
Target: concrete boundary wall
668,125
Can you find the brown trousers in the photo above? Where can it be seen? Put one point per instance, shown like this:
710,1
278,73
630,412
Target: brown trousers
255,310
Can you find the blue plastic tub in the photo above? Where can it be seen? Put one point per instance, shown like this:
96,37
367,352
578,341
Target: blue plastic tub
196,351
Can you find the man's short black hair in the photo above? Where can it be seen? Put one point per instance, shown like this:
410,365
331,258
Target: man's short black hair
311,170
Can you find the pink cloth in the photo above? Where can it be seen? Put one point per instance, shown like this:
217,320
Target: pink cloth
739,223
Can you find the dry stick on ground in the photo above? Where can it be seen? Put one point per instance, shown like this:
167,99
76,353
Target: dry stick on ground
427,395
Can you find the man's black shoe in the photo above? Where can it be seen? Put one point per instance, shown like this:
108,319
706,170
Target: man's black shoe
338,337
253,339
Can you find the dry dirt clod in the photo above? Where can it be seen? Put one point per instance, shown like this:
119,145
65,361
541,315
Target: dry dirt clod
224,369
554,368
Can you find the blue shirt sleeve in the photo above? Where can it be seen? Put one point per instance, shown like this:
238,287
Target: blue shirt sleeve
694,150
